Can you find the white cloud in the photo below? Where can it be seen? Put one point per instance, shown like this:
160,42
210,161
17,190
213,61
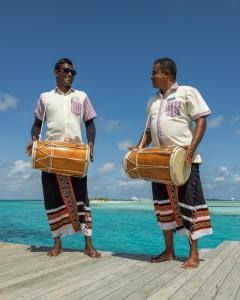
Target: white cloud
106,168
131,183
19,174
219,179
123,145
237,178
224,170
19,181
7,102
213,123
19,167
109,125
209,186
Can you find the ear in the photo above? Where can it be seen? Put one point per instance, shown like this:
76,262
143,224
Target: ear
167,73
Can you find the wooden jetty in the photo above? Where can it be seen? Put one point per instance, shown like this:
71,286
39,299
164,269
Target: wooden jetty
27,273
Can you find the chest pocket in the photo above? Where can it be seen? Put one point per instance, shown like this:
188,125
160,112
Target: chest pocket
173,108
76,106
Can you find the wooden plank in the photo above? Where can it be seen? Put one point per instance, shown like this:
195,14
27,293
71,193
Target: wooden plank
54,268
73,275
120,290
12,246
35,264
169,287
231,285
212,284
238,295
41,283
89,282
118,278
220,247
191,287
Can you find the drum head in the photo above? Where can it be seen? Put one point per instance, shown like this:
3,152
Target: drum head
179,170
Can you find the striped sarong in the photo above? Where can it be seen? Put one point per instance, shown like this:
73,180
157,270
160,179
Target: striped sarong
184,208
67,204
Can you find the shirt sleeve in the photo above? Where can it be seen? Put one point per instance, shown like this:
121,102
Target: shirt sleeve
148,125
88,110
40,109
196,105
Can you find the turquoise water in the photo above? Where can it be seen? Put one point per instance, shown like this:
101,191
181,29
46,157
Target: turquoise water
118,226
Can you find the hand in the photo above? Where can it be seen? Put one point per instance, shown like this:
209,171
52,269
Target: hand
136,147
189,154
29,146
133,147
90,144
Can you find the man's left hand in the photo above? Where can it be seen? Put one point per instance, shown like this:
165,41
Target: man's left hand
90,144
189,154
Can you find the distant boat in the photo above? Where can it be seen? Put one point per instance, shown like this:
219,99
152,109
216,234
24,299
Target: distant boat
232,198
134,198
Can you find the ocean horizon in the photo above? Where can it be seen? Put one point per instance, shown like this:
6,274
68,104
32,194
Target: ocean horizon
127,226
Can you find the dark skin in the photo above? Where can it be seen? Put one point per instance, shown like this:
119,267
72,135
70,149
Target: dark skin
163,81
64,81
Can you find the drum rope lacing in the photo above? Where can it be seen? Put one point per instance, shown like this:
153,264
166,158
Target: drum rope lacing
44,166
137,165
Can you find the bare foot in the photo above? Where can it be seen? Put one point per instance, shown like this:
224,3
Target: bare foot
57,249
192,262
93,253
54,252
164,256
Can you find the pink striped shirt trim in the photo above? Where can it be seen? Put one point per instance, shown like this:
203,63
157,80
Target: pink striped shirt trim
206,113
39,110
88,110
75,106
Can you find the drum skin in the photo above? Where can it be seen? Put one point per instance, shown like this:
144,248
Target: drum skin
62,158
165,165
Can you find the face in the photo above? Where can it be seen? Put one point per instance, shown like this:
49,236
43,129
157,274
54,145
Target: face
159,79
65,75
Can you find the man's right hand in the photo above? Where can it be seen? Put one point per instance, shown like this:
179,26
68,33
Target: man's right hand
135,147
29,146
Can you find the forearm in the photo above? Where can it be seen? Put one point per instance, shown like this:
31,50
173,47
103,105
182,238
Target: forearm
36,128
145,140
199,131
90,131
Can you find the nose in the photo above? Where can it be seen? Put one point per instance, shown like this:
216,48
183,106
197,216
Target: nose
69,73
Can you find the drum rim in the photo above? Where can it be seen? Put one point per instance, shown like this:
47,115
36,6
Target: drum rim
34,154
172,175
87,160
125,164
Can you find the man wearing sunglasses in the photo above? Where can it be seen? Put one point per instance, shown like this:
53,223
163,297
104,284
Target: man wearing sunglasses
66,198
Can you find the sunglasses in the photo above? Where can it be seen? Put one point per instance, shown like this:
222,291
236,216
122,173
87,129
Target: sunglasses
67,70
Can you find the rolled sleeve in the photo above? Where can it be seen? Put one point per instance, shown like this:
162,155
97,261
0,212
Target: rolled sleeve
88,110
196,105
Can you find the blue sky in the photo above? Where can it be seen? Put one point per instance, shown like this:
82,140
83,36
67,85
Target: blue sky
113,45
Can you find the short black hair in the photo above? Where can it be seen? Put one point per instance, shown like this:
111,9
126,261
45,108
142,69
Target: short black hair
167,64
63,60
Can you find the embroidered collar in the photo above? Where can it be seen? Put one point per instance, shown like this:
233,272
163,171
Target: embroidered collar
57,90
168,92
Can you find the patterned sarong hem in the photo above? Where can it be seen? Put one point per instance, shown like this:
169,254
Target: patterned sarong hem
183,209
68,230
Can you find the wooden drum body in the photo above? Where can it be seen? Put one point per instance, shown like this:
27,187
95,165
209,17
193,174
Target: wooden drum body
165,165
68,159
